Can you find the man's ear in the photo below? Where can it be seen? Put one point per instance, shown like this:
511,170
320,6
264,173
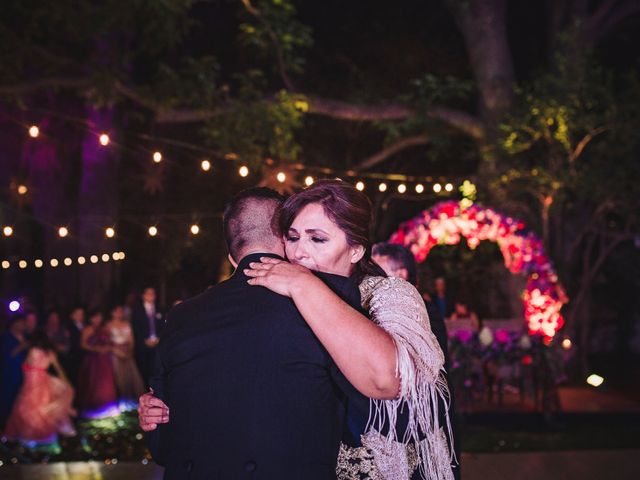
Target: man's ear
233,262
402,273
357,252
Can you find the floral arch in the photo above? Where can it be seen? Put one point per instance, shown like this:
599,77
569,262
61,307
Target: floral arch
446,223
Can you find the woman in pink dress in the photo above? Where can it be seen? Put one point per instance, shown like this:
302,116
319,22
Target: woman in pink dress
96,383
43,407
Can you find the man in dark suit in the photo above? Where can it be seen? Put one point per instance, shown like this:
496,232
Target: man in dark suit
147,323
398,261
252,392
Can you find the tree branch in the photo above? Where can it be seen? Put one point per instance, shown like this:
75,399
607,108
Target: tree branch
282,66
43,83
601,25
392,150
573,156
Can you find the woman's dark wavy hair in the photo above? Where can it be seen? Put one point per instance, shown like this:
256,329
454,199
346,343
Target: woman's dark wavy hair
348,208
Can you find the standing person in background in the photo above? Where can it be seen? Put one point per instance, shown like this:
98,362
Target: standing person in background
398,261
76,326
43,407
147,323
13,350
58,335
127,376
31,319
96,385
440,298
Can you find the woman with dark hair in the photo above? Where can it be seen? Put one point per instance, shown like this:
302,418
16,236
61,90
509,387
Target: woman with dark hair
43,407
393,357
96,382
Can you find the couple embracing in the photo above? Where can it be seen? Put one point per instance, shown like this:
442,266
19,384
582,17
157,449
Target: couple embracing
314,367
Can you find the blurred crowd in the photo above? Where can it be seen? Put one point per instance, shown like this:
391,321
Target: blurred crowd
88,363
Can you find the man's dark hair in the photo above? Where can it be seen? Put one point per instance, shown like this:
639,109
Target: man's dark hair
401,257
249,218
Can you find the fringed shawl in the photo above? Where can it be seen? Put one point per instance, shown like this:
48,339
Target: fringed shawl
398,308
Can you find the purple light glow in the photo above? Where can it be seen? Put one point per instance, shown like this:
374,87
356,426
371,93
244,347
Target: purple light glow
14,306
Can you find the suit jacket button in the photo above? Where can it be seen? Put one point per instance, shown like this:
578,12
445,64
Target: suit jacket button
250,466
188,465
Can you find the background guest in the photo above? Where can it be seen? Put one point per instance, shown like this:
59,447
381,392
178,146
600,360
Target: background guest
43,407
129,383
58,335
13,351
440,298
96,384
147,323
76,325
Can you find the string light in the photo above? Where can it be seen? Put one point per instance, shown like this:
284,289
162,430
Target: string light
110,232
437,188
281,177
5,264
34,131
308,181
7,231
402,188
382,187
81,260
419,188
243,171
53,262
14,306
104,139
153,230
105,257
448,187
68,261
360,186
93,259
63,232
157,157
22,189
22,264
595,380
195,229
115,255
205,165
566,343
38,263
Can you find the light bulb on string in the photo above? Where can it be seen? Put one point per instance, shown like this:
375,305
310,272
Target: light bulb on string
63,232
68,262
105,257
54,262
110,232
437,188
382,187
22,189
153,230
82,260
448,187
34,131
360,186
205,165
419,188
5,264
281,177
38,263
195,229
308,181
243,171
22,264
104,139
93,259
7,231
402,188
157,157
115,256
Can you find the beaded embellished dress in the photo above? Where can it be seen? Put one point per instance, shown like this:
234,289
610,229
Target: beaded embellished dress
397,307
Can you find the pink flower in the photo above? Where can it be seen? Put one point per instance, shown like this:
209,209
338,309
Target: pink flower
501,336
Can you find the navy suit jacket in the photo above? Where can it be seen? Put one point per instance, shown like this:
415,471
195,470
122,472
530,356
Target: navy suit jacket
251,391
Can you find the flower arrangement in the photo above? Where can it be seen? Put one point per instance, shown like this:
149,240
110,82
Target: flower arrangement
446,223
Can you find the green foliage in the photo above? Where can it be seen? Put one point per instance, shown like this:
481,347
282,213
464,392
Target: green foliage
194,85
254,128
276,22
